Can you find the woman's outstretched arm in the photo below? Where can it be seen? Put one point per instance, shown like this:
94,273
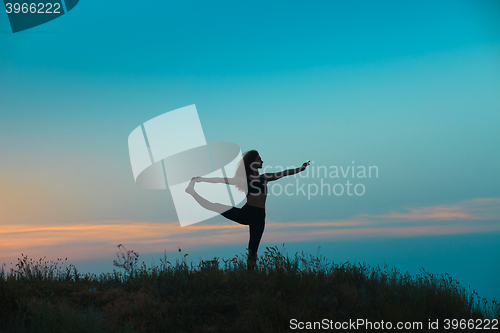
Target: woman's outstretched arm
284,173
215,180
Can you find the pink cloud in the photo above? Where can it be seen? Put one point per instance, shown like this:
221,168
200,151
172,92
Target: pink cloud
474,209
291,235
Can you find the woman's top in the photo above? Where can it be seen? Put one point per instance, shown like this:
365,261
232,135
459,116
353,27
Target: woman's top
256,186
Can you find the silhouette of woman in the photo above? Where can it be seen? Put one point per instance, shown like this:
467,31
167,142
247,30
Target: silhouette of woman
253,213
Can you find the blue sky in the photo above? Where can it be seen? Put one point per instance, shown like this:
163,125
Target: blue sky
411,87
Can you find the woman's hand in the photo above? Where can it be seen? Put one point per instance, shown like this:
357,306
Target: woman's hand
304,166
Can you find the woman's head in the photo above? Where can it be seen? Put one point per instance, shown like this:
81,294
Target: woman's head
252,162
249,165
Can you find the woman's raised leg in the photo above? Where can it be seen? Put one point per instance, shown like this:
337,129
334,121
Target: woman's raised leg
215,207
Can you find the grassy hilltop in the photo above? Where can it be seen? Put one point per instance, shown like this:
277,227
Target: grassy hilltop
223,296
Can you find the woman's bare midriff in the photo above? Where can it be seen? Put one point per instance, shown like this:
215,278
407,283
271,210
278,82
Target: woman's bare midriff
257,200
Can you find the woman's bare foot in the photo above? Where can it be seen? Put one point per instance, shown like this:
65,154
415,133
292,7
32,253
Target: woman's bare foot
190,187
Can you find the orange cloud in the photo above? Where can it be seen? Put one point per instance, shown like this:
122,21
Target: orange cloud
90,241
100,239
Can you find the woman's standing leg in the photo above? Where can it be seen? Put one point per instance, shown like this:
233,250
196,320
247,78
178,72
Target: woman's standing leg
255,221
256,231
